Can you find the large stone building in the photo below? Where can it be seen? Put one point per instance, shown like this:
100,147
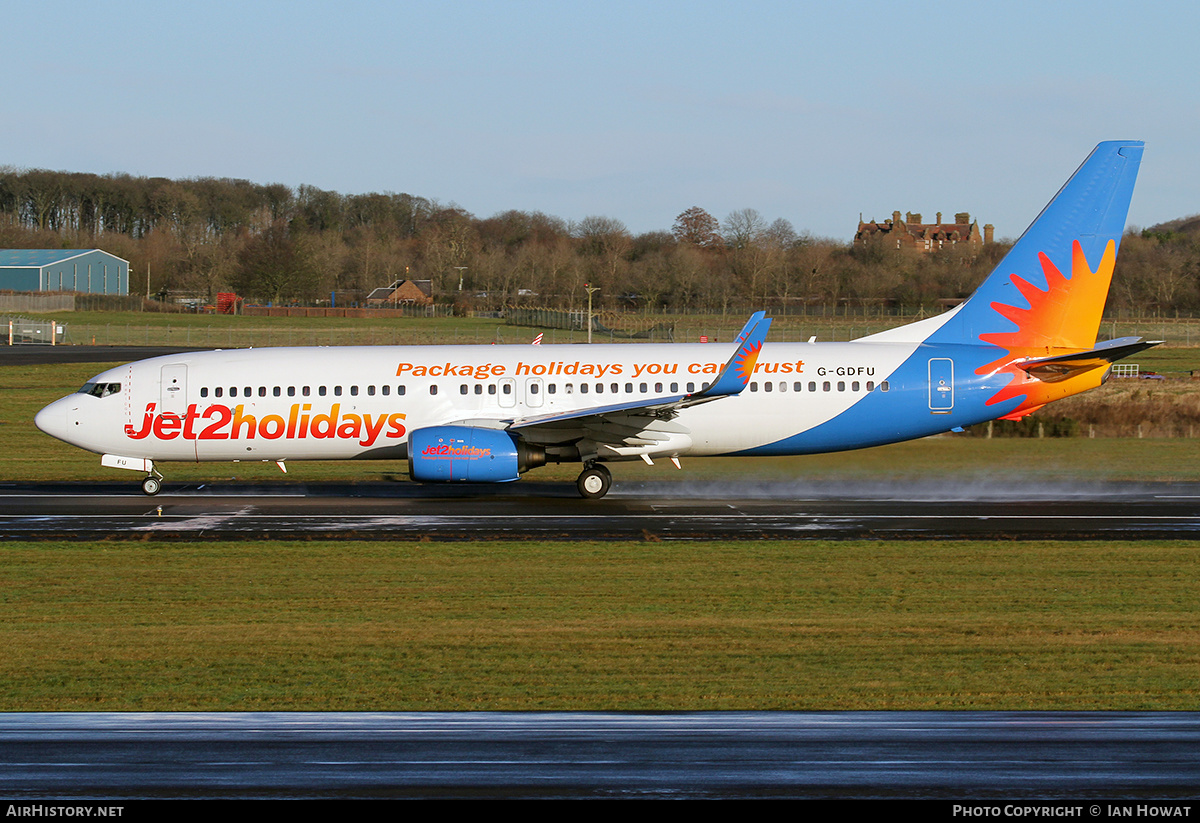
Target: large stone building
912,233
86,271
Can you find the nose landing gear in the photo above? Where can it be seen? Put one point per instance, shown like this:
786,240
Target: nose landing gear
152,484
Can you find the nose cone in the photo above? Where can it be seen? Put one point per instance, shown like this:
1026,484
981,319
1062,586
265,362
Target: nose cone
53,419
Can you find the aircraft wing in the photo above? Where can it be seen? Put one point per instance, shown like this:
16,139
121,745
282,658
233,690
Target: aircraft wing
622,419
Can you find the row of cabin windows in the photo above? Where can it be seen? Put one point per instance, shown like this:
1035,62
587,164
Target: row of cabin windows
533,387
824,386
291,391
583,388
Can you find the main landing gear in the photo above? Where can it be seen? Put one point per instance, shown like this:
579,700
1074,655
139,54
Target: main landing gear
594,481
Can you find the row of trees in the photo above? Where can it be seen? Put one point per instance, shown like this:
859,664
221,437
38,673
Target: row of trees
275,244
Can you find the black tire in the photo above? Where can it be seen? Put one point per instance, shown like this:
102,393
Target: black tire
151,486
594,482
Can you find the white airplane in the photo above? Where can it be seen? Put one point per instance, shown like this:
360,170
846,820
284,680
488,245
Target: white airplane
487,414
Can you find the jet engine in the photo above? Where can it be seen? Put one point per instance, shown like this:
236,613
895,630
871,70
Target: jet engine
466,454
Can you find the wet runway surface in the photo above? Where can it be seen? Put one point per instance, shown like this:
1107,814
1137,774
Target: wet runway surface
977,755
667,510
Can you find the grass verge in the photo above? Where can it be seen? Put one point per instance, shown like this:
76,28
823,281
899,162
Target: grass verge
626,625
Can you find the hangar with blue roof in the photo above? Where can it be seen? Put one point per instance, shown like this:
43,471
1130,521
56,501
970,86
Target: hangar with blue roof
86,271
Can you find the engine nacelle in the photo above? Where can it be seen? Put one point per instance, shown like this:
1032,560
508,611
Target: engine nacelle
466,454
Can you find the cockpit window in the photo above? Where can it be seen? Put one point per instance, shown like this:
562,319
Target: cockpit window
100,389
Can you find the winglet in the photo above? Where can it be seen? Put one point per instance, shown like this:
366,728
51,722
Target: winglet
737,372
749,327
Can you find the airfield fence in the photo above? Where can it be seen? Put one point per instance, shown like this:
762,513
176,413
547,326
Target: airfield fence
244,333
21,331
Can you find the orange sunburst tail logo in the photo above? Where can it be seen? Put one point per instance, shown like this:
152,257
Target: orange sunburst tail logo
1065,317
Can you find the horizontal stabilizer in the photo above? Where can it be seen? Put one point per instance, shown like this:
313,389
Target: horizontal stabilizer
1063,365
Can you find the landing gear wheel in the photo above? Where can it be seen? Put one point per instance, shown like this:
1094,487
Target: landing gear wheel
594,482
151,485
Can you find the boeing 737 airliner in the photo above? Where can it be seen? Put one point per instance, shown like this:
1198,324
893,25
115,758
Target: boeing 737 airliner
487,414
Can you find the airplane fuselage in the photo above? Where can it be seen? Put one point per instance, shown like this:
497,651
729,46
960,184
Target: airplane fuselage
361,402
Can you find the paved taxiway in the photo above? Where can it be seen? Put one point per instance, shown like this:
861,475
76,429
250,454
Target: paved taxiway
666,510
1013,756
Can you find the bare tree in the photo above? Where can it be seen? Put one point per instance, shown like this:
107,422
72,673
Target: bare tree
698,228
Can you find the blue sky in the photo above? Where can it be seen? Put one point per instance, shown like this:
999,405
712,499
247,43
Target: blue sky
637,111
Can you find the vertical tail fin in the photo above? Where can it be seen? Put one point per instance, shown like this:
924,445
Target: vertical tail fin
1049,290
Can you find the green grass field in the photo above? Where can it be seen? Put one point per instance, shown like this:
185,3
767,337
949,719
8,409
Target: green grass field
578,626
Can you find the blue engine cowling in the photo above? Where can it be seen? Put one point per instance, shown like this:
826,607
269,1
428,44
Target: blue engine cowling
466,454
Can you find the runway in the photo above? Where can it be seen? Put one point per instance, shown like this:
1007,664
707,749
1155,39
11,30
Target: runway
552,511
1090,759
